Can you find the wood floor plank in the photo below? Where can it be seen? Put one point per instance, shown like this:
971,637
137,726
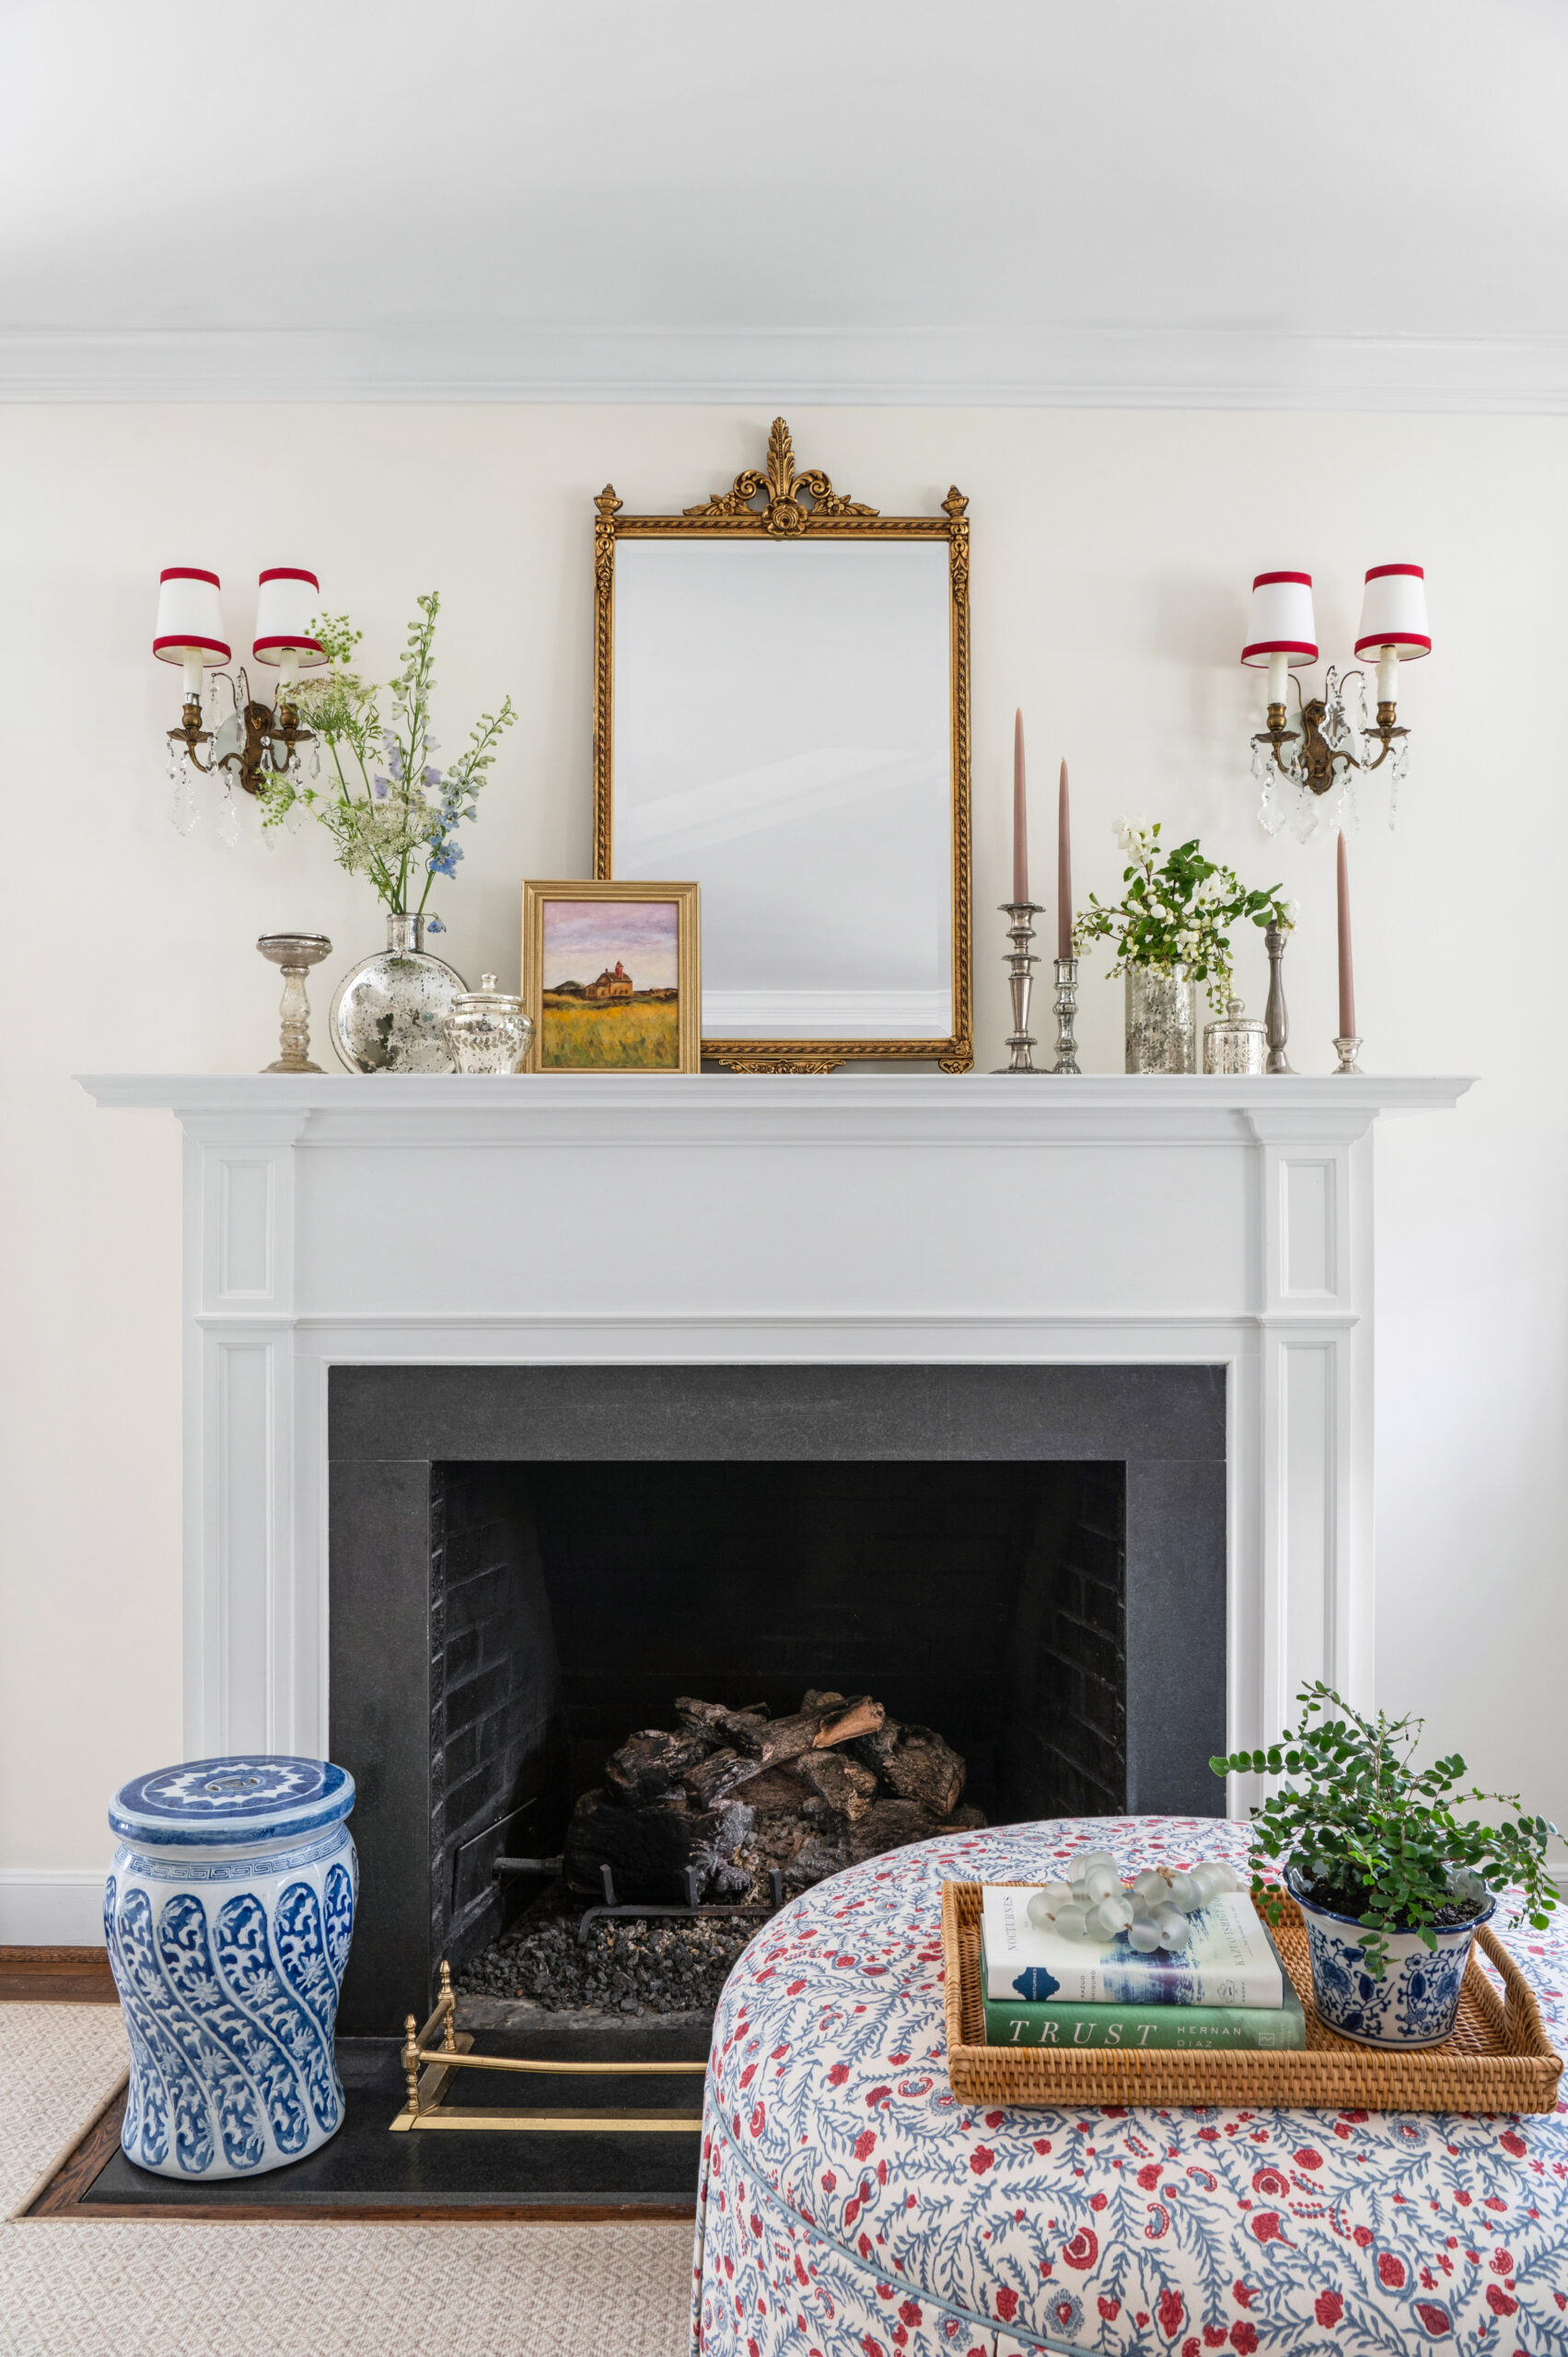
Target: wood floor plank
38,1976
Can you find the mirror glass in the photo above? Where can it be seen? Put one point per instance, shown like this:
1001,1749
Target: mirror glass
784,736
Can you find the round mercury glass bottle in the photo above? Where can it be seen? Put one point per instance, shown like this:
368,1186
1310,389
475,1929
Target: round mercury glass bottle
390,1012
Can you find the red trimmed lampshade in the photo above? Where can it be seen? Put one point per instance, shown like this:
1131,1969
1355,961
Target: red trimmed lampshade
190,616
1282,620
1393,612
288,602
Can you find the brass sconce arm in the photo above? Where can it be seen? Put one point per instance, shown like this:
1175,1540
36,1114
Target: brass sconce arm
190,732
1385,732
262,730
1277,734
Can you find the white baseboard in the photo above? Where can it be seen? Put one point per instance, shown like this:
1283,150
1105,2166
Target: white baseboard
55,1907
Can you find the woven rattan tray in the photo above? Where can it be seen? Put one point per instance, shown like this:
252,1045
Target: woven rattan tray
1497,2060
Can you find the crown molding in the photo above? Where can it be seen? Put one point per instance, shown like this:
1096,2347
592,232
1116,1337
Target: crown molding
1127,367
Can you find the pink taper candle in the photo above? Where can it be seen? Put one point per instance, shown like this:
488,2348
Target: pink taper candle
1020,818
1063,871
1347,974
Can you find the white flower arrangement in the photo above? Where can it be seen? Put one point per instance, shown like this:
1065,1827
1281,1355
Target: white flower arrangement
1177,913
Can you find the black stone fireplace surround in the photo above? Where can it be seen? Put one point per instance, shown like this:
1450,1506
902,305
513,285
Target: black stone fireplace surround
525,1562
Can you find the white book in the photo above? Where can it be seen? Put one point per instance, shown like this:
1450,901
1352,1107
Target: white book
1229,1960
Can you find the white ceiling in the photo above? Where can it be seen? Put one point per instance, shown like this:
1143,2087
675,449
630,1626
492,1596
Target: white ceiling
1356,203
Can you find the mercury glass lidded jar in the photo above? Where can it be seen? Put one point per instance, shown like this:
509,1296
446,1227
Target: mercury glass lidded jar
1237,1042
1162,1019
487,1031
389,1014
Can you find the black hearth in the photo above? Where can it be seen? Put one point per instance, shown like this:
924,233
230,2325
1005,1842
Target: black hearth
527,1563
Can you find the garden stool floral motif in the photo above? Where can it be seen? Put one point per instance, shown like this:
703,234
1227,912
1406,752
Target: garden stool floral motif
227,1915
851,2207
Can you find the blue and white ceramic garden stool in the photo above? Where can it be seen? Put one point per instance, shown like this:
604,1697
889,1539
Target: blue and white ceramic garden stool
227,1915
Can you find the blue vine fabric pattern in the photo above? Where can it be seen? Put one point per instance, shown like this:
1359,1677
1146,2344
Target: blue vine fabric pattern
850,2206
228,1958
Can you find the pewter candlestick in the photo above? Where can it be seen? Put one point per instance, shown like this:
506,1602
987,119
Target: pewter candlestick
1021,961
1066,1008
1276,1020
1346,1049
294,952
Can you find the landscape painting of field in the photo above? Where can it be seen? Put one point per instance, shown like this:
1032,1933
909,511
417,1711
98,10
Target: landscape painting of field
610,975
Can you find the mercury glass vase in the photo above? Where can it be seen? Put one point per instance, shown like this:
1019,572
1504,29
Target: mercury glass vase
391,1010
1162,1019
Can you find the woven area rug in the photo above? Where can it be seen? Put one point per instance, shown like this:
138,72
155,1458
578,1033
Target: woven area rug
74,2289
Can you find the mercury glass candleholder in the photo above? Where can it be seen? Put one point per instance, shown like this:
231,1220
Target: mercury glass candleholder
294,954
1346,1050
1021,962
1276,1018
1066,1010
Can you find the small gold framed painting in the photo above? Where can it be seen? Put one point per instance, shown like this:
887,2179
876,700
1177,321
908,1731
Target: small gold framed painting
612,977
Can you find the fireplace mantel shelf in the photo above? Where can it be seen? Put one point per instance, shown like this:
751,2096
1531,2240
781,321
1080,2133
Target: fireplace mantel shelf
849,1107
916,1219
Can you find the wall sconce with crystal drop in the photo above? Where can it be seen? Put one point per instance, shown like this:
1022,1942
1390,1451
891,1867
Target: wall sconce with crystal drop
1336,744
252,739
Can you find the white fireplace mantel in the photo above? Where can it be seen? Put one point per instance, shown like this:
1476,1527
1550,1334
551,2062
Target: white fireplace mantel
870,1216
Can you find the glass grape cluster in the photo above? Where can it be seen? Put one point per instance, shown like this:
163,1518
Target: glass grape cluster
1152,1910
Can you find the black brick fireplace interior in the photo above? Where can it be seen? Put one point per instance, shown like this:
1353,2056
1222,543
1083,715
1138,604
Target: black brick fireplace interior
528,1562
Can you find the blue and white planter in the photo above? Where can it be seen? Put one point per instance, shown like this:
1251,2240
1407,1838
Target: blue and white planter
1417,2001
227,1915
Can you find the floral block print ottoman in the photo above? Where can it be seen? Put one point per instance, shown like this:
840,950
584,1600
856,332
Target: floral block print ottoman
851,2207
227,1915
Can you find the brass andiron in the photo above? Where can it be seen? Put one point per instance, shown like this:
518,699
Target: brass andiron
1066,1009
1020,962
1276,1021
294,954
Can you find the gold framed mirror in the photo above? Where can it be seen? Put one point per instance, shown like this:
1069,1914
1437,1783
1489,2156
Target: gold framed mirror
782,711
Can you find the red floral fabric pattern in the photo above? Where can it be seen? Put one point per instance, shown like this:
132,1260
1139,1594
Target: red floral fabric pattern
851,2207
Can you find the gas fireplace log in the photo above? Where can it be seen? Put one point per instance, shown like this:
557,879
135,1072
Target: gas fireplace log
722,1773
651,1763
649,1849
912,1763
846,1786
891,1824
768,1741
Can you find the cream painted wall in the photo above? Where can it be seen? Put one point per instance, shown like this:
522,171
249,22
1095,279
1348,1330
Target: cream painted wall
1111,557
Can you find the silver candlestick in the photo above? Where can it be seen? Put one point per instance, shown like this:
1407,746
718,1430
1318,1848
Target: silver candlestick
294,952
1066,1008
1021,962
1276,1021
1345,1049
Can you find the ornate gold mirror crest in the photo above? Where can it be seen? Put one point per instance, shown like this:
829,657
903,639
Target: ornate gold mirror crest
786,504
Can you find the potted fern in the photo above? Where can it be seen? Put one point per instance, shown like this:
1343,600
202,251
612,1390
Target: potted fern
1391,1882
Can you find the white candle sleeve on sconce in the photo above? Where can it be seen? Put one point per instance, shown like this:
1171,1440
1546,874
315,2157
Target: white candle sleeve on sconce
288,600
1281,623
1393,617
190,629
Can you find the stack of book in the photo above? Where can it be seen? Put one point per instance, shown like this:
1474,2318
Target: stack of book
1225,1989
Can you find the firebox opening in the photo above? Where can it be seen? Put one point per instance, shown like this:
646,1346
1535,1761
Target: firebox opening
572,1602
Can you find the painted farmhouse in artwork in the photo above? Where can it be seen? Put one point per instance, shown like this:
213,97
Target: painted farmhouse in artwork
611,984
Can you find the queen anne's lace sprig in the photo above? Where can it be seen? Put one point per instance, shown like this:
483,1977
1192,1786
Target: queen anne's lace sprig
392,815
1177,913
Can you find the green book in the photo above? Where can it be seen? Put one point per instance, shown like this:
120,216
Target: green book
1015,2021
